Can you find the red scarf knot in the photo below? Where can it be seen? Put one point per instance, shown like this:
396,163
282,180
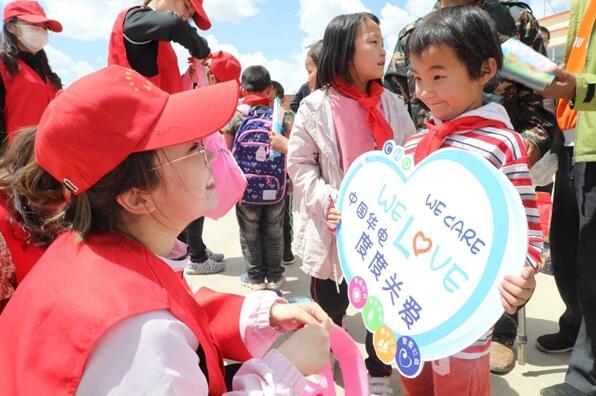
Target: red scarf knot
436,134
375,118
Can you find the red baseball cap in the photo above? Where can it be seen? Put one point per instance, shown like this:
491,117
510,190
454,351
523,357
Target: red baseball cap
31,12
99,120
225,66
201,19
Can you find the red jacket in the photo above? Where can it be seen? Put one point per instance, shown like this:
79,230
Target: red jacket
78,291
27,96
22,254
168,78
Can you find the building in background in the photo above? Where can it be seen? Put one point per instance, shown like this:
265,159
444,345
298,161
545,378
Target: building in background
557,25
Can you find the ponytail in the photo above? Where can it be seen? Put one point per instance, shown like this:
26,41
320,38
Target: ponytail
34,197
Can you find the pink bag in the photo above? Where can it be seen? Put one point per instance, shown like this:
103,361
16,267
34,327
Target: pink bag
353,369
230,181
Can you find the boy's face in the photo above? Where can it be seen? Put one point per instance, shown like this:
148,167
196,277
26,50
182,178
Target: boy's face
444,84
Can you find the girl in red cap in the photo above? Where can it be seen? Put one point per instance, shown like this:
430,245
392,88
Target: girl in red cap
142,34
27,81
105,311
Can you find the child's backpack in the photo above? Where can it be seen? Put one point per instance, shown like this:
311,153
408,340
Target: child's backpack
266,174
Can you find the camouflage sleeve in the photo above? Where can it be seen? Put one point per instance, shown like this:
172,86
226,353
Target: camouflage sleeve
396,77
232,126
288,122
399,79
535,123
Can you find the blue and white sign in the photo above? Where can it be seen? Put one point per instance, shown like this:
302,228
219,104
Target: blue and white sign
424,247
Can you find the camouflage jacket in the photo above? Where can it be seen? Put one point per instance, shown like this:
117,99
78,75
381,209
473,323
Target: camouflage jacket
524,106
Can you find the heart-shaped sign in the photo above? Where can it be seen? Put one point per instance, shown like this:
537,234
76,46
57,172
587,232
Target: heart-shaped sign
424,247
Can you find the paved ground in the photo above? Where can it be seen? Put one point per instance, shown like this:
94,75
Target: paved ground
541,369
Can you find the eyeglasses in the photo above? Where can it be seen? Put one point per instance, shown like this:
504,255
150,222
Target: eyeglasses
197,148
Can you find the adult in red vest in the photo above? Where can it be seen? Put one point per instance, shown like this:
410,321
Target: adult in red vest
19,248
142,34
28,83
105,311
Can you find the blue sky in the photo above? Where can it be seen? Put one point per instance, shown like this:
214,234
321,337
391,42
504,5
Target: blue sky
269,32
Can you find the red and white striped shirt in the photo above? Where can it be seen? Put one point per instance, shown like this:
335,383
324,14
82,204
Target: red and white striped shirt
506,150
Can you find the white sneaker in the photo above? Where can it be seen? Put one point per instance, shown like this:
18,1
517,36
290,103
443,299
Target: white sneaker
379,386
276,284
208,266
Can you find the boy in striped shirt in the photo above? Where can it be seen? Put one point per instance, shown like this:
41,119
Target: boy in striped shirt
454,53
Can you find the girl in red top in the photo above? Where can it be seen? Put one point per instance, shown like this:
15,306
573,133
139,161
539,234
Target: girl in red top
27,81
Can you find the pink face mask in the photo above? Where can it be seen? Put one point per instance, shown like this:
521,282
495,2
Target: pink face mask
353,369
230,181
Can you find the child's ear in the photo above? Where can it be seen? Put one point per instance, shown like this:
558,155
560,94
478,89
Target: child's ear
136,202
269,90
488,70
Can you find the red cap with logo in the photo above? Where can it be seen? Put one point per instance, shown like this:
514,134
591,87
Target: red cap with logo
224,66
98,121
201,19
30,12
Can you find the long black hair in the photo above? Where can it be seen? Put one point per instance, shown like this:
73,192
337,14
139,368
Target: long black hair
339,47
9,53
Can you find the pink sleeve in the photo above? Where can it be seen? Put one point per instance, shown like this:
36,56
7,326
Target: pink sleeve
255,330
272,375
187,81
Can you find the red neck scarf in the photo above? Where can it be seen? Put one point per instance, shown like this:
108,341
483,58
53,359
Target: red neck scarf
256,99
375,118
437,133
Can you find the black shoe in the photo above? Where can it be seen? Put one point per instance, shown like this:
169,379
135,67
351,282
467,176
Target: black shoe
288,258
563,389
554,343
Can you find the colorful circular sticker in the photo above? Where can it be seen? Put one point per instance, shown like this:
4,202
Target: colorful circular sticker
357,292
372,314
424,246
385,344
408,357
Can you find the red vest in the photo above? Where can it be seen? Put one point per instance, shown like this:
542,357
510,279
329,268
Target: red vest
76,292
23,255
168,75
27,96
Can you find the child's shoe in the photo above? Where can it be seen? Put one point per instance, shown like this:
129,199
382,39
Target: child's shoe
288,258
502,358
275,284
208,266
379,386
252,284
215,256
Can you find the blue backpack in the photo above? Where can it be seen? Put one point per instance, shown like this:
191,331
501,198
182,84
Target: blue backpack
266,174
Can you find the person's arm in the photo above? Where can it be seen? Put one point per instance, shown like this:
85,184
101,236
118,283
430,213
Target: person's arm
396,77
516,170
143,26
536,124
304,168
229,131
155,353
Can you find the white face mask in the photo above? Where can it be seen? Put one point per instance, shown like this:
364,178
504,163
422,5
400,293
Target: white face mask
33,38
